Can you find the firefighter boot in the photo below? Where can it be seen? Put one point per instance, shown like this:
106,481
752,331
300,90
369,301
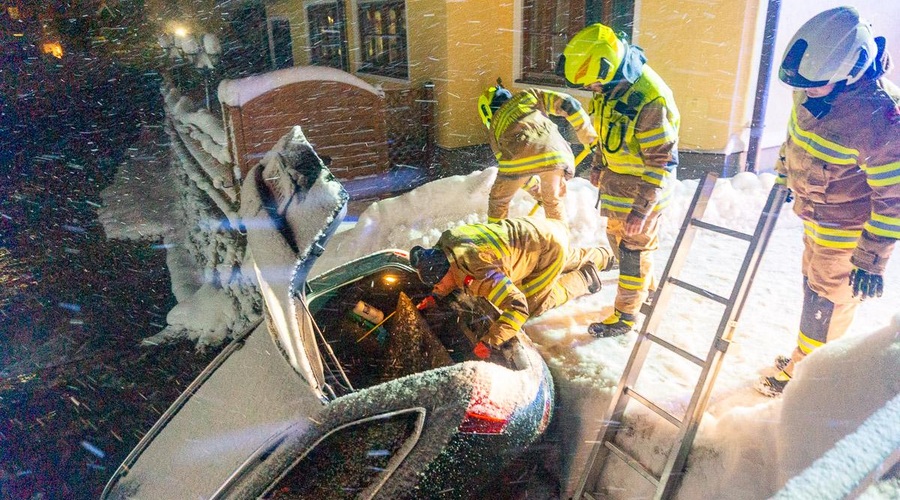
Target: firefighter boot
616,324
773,386
589,273
781,362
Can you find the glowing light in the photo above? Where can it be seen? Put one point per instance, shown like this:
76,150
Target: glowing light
390,279
53,48
180,31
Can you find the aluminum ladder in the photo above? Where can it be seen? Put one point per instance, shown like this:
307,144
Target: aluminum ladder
605,447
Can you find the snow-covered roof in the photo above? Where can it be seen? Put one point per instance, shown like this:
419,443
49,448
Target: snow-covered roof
242,91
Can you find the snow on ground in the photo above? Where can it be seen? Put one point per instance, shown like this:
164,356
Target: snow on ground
747,445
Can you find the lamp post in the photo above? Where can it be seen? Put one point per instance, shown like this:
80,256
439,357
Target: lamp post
203,51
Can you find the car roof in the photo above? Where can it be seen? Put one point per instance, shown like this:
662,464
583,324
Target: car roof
246,396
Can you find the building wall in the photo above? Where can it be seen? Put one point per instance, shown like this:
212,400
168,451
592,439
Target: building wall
480,41
295,13
707,51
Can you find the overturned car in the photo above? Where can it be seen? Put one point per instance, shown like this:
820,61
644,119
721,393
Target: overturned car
346,389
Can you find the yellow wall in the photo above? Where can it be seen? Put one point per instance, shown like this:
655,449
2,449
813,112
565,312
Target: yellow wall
295,13
705,51
480,41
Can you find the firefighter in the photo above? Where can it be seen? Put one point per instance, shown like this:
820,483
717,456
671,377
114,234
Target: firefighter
527,144
841,162
637,121
523,266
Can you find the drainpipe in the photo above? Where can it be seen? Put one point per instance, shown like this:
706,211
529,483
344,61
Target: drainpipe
762,85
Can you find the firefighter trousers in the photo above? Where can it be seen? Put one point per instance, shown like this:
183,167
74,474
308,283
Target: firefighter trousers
571,283
828,302
635,254
552,192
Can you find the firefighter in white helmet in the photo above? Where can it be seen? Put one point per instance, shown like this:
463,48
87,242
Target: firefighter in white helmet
634,164
841,161
527,143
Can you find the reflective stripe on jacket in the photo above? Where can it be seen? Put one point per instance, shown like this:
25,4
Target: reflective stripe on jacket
639,139
507,262
525,140
844,170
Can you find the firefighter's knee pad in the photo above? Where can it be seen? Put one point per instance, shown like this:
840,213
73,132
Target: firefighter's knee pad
815,320
629,261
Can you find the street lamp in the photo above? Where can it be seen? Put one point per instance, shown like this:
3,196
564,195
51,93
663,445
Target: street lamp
203,51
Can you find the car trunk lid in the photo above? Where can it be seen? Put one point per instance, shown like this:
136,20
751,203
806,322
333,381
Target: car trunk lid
291,204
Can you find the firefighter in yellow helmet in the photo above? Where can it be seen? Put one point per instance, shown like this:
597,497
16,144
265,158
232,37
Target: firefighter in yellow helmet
841,161
527,143
635,116
524,266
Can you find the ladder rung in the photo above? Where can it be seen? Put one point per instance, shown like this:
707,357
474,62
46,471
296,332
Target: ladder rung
634,464
656,409
677,350
699,291
722,230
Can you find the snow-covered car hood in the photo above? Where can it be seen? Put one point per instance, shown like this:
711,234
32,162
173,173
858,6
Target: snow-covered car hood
290,206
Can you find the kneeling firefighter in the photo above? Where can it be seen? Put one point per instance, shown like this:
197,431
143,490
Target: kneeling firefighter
523,266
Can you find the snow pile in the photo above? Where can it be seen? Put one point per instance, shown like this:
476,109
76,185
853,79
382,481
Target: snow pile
200,125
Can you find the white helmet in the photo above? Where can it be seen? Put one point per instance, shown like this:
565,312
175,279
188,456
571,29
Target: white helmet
834,46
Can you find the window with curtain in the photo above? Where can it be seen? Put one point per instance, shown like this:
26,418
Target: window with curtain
382,34
327,43
547,26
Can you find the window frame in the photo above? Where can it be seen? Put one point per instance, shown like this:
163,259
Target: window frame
585,15
340,22
418,413
392,69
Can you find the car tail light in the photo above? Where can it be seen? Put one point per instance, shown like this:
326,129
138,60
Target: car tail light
484,417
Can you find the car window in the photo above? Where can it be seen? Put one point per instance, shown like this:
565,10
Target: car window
351,459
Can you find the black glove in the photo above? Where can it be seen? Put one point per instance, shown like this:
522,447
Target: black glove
866,284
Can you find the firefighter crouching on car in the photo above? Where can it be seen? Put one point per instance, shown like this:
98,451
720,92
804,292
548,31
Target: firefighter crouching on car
636,118
523,266
527,143
841,161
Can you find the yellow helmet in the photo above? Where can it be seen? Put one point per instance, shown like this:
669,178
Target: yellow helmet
490,101
593,55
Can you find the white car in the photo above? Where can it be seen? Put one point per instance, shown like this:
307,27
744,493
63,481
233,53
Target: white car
318,402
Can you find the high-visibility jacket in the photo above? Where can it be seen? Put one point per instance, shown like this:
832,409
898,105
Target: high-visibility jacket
525,140
638,144
512,263
844,171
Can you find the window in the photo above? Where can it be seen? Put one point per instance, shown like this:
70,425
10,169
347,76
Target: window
280,46
382,32
327,43
547,26
352,458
